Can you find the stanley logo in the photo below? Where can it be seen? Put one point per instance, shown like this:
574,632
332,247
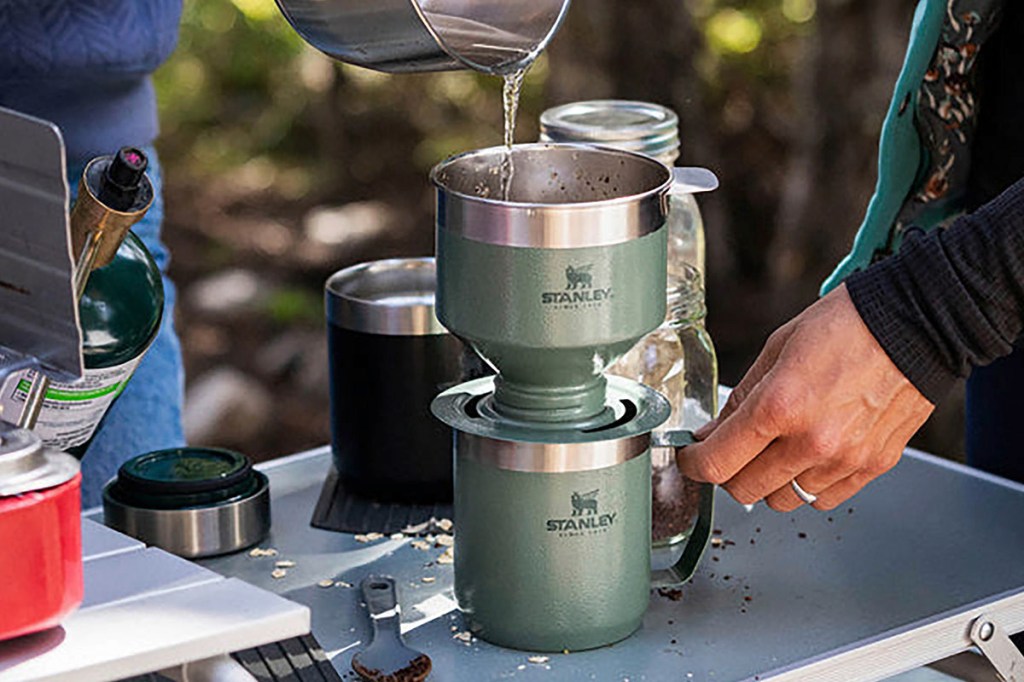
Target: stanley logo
585,519
579,290
579,277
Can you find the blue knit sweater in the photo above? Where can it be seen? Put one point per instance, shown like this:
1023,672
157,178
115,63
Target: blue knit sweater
85,65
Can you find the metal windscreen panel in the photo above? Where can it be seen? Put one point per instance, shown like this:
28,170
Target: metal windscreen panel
38,310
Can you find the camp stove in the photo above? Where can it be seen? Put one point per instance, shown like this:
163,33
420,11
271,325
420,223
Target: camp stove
40,528
39,325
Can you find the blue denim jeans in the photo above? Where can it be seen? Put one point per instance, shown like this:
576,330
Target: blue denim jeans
147,415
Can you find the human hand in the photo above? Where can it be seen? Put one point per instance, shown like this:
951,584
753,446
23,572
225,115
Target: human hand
823,404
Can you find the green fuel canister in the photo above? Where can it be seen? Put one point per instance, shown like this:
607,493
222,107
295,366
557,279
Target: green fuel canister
120,305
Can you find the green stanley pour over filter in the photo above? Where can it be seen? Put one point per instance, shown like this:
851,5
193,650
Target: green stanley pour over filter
120,303
551,263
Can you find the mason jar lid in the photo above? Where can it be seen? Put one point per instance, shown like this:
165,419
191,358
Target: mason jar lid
640,127
27,466
184,471
393,297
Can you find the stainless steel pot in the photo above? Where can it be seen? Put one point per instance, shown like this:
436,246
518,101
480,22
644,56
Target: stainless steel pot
493,36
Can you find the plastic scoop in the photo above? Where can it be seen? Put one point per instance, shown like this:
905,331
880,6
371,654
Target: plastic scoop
387,658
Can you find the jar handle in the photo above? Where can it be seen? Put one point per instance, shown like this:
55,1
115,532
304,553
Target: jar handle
686,566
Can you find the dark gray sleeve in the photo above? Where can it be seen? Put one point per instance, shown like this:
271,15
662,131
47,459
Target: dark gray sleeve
950,299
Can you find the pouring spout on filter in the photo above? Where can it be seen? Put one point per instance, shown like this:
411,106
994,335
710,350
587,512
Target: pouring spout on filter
693,180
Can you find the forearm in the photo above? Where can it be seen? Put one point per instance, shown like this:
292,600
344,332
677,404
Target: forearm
952,299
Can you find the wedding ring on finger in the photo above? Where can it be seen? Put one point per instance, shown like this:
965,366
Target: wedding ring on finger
807,497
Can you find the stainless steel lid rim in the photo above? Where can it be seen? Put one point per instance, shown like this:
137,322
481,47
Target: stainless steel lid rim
399,302
195,532
532,457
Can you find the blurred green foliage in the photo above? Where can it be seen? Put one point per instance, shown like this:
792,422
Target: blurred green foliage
289,306
229,92
243,90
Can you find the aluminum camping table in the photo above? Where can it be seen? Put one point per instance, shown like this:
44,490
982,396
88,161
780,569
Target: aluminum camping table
891,581
146,610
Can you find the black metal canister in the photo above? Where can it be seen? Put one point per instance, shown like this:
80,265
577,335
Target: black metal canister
389,357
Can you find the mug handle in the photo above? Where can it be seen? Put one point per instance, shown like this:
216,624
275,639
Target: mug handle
697,543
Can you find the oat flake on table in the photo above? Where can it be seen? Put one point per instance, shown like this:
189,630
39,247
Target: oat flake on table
417,529
259,551
278,573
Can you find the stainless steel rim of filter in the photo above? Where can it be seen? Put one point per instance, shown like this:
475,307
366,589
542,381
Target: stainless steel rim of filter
560,196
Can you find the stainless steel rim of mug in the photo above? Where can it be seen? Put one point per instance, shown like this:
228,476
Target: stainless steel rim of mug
196,531
392,297
555,224
549,458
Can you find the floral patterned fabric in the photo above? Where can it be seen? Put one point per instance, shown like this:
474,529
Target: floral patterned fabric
924,155
946,118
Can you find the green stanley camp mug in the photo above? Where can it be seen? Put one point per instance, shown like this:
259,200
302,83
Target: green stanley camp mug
554,526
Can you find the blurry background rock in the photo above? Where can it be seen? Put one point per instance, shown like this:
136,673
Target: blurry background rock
228,407
283,167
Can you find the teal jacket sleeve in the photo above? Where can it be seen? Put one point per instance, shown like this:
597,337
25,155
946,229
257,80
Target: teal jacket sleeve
902,155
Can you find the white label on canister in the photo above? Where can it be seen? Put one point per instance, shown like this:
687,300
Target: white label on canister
70,413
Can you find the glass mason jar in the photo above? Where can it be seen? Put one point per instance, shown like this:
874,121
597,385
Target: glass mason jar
678,360
644,128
